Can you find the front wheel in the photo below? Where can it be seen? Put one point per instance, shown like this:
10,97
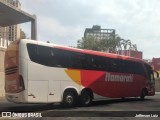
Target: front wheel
143,94
86,98
69,99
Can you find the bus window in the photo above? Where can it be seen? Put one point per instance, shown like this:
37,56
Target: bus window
149,72
75,60
61,57
44,55
114,65
139,69
108,64
32,51
48,56
98,63
86,62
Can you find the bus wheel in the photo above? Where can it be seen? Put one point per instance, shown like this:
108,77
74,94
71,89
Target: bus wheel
143,94
86,98
123,98
69,99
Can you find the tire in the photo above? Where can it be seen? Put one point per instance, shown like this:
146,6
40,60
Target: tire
123,98
86,98
143,94
69,99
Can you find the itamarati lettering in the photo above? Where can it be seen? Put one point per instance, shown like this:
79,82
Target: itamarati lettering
119,78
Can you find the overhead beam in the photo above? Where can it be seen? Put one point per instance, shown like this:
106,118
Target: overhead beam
10,15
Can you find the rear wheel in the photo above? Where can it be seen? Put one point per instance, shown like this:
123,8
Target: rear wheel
123,98
86,98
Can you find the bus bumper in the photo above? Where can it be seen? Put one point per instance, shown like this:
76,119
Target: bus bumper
16,97
151,93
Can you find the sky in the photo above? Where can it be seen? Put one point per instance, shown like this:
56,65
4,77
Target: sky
64,21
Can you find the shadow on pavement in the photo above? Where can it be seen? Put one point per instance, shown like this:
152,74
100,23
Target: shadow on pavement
11,107
113,101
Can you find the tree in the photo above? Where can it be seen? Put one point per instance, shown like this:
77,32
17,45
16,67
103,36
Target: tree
115,43
89,42
125,43
111,44
107,44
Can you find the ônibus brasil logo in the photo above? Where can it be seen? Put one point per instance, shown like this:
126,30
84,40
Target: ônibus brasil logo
119,78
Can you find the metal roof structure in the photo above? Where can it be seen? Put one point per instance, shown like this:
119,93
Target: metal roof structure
10,15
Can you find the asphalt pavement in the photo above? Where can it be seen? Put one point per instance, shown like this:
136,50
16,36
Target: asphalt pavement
110,109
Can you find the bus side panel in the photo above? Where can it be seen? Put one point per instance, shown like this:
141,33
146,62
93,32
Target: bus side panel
96,80
54,91
37,83
57,78
37,91
23,72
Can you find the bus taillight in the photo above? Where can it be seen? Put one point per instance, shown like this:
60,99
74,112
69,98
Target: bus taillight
21,83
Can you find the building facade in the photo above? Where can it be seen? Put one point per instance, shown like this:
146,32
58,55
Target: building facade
131,53
99,33
156,63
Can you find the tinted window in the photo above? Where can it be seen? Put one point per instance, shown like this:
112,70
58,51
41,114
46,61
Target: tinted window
32,51
76,60
48,56
133,67
44,55
148,71
128,67
98,63
60,58
139,68
88,62
54,57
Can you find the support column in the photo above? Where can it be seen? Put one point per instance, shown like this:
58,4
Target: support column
34,28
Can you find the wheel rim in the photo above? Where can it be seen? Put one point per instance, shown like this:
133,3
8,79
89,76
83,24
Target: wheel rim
86,99
69,99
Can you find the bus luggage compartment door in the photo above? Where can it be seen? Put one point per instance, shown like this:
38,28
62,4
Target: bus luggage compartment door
54,91
37,91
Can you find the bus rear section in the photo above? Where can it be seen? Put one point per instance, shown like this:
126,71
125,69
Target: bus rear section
14,84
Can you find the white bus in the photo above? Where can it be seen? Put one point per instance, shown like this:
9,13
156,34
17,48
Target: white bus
39,72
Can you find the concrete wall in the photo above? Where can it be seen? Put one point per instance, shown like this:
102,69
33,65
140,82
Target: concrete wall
2,52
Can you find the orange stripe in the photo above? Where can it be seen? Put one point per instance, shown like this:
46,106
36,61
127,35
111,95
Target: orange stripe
75,75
